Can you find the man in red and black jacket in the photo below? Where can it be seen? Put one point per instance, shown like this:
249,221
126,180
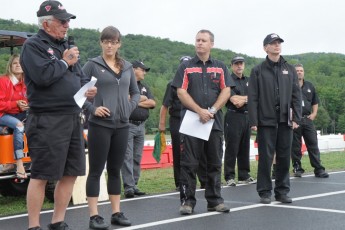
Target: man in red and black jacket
203,86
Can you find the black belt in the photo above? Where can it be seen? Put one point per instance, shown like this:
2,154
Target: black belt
136,122
238,111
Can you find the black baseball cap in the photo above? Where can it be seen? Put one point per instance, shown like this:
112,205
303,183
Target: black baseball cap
140,64
271,38
55,9
237,59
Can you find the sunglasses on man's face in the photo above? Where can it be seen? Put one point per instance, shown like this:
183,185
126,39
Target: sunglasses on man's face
61,21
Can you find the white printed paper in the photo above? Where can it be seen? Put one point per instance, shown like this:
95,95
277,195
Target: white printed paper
192,126
80,97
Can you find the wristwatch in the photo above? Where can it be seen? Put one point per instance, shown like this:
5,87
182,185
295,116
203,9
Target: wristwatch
212,110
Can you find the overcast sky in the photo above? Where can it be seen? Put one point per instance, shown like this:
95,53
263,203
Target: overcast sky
240,26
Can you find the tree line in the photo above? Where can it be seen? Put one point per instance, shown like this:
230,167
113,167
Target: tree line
325,70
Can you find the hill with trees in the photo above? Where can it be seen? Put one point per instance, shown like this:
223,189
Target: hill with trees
325,70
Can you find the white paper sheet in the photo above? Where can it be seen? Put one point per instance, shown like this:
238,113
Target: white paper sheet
192,126
79,97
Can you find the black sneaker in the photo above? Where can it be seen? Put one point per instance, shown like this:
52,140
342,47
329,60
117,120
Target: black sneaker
35,228
120,219
297,170
322,174
97,222
186,210
138,192
219,208
58,226
265,199
283,199
129,194
297,173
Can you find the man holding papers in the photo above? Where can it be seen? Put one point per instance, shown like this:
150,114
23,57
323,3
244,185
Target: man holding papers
203,86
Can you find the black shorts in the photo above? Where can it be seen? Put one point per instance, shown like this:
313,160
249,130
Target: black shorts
56,146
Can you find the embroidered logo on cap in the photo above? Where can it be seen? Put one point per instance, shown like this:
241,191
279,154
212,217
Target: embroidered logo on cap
274,36
48,8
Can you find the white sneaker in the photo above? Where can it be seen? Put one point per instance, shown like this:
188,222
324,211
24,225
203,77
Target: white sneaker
250,180
231,182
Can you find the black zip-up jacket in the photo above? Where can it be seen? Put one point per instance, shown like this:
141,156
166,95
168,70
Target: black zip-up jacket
50,84
262,99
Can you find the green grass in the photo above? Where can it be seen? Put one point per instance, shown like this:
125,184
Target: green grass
156,181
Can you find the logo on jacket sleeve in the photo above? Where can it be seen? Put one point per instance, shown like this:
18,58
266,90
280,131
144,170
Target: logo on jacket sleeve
50,51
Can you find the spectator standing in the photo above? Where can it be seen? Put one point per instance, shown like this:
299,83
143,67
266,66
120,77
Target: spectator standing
203,86
236,128
274,108
108,124
172,104
13,107
306,129
53,75
131,167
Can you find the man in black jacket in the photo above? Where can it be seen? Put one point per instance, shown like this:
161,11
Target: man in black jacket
274,107
310,104
54,129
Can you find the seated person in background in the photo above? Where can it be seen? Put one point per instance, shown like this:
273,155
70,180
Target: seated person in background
13,107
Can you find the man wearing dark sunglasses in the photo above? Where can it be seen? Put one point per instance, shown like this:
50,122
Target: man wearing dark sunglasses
54,128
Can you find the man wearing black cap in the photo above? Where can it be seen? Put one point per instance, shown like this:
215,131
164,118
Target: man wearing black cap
274,109
236,128
131,167
54,128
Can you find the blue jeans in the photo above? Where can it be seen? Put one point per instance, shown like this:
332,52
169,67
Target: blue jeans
11,121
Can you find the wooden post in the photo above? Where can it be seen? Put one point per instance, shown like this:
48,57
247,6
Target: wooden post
79,190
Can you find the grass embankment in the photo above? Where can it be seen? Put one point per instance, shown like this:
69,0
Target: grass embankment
154,181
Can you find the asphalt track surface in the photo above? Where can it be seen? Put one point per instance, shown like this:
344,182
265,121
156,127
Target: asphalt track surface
317,204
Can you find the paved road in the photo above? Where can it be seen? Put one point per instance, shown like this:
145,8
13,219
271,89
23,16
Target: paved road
317,204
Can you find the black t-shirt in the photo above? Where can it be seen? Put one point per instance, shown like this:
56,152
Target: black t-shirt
141,114
240,89
309,97
172,101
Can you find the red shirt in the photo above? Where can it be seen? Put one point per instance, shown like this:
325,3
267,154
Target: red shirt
10,94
